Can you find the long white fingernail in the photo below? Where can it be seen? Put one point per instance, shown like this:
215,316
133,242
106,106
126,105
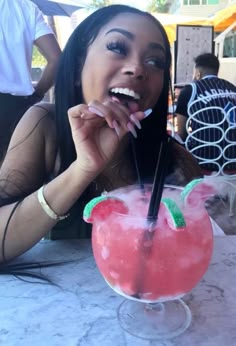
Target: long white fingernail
116,127
94,110
132,129
147,112
136,121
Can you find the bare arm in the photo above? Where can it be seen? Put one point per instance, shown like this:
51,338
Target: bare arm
25,168
182,110
49,48
31,158
181,125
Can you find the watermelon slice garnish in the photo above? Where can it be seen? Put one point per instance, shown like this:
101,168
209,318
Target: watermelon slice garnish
100,208
197,191
175,217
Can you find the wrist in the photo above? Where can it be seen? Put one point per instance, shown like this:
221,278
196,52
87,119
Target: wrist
83,176
38,95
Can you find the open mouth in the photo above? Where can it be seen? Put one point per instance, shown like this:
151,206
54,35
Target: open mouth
127,97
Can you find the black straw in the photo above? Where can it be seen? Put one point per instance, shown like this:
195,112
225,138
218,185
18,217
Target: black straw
137,170
157,188
158,182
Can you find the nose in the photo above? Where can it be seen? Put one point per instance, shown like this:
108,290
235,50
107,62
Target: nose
135,69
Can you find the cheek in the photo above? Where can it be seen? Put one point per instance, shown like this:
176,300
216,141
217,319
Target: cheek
92,78
87,82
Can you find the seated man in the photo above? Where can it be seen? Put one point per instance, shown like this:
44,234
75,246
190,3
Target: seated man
206,117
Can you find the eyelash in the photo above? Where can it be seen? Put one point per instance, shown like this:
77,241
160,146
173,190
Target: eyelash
159,63
120,47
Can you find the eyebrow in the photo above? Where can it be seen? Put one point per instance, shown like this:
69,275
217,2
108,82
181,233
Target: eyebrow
130,36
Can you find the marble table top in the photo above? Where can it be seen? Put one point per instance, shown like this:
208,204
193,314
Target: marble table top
80,309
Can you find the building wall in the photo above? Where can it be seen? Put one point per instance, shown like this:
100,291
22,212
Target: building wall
198,10
228,69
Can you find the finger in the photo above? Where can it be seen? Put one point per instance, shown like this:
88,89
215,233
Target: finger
131,129
140,115
124,121
136,118
121,119
76,111
111,110
80,111
116,127
147,113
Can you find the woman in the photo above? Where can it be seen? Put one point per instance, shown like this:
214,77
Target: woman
115,66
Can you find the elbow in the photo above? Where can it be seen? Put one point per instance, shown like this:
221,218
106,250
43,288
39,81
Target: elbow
54,59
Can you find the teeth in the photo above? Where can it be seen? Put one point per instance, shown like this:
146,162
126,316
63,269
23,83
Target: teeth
126,91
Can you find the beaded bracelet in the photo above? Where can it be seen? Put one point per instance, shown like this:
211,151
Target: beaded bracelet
47,208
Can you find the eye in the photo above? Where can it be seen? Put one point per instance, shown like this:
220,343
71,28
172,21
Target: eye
118,47
156,62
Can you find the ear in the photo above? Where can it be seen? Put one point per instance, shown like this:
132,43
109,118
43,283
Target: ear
198,75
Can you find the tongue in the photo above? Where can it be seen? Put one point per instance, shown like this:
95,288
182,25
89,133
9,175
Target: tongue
133,106
130,104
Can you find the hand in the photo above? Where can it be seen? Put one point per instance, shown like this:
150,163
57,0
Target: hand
97,130
36,97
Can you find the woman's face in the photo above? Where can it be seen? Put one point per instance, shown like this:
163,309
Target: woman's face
125,63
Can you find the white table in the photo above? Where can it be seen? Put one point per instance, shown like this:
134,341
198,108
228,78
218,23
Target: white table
81,310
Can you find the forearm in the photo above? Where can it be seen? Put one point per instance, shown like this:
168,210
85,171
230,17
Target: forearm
49,48
47,79
181,125
29,222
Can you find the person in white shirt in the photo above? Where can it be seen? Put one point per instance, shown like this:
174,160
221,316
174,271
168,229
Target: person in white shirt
22,26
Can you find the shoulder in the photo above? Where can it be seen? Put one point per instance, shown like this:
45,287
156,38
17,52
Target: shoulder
40,115
41,26
44,108
186,91
33,148
183,99
230,85
31,155
36,131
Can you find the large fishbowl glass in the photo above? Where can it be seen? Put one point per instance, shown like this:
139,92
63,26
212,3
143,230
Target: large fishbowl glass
152,264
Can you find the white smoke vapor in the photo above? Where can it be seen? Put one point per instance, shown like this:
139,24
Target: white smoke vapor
215,194
222,206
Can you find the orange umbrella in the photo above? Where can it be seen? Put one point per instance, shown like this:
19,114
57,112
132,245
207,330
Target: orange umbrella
224,18
221,21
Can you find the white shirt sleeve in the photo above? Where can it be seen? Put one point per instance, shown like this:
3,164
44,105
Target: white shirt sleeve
41,26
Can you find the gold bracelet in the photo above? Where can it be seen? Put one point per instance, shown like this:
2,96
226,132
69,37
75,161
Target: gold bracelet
47,208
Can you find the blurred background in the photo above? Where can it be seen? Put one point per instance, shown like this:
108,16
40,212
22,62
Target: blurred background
215,20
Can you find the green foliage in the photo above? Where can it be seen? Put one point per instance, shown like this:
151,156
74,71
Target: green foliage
161,6
94,4
38,59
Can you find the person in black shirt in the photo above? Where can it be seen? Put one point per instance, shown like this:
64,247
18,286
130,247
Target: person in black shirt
206,117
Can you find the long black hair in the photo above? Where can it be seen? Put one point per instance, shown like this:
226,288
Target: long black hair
68,93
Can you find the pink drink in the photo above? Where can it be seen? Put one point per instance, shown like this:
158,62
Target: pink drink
160,265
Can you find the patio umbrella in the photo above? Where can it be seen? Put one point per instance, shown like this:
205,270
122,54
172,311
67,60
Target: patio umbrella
221,21
58,8
224,18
